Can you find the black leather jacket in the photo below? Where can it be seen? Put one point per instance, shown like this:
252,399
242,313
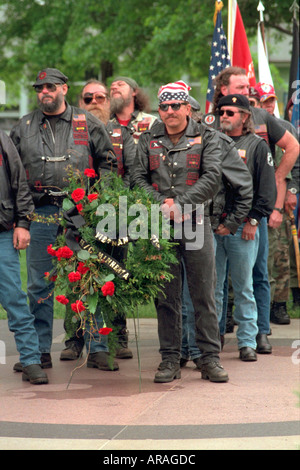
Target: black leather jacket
80,141
232,203
15,199
188,172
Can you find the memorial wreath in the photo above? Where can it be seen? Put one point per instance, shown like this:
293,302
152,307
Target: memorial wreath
99,267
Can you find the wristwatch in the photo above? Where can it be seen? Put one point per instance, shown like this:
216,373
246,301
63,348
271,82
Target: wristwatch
293,190
253,222
279,210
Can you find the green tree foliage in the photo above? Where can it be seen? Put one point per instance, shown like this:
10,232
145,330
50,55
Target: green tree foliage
154,41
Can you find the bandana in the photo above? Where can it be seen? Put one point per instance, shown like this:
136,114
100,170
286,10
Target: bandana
174,91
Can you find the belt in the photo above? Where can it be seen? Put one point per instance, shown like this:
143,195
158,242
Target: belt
52,199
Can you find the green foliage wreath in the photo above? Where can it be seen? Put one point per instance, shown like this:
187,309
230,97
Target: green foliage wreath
94,272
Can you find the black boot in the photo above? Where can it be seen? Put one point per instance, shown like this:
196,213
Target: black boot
279,313
296,296
123,352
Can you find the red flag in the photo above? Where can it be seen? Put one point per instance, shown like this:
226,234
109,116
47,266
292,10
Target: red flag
238,42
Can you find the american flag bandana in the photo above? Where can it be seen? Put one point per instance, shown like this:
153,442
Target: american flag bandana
174,91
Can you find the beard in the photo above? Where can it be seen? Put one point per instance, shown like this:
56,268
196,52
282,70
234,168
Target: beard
226,126
51,106
102,114
118,104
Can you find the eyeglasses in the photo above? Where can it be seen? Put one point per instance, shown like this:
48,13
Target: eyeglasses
174,106
89,97
228,112
50,87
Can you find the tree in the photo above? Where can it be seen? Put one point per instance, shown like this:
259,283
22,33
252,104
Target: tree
154,41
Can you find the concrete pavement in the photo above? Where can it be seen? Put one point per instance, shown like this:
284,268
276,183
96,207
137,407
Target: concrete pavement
89,409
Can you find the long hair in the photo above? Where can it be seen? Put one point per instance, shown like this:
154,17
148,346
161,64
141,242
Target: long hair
248,126
141,101
223,79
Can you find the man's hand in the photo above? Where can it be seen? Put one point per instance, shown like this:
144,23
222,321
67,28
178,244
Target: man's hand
170,211
275,219
249,231
290,202
222,230
21,238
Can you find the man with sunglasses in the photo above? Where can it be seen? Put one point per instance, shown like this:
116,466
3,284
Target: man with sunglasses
179,162
49,140
234,80
241,250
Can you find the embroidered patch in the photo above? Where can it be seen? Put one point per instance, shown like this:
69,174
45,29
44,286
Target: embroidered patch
209,119
80,132
191,178
1,160
142,126
242,154
196,140
154,161
155,145
193,161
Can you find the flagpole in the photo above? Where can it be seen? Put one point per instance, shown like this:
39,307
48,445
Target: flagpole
230,28
261,10
295,9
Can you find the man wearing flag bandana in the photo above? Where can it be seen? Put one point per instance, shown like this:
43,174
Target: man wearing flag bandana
178,161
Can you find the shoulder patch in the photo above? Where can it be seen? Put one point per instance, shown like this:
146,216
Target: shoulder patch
270,159
209,119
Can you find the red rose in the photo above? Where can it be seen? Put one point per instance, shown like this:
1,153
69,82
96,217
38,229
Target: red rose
105,330
79,207
78,306
74,276
50,250
64,252
82,268
78,194
92,197
90,173
108,288
62,299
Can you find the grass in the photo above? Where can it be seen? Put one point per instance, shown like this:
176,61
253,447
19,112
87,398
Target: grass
147,311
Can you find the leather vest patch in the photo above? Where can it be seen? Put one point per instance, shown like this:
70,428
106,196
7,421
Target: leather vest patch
193,161
80,131
154,161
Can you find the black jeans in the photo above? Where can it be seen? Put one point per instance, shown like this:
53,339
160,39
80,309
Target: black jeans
201,277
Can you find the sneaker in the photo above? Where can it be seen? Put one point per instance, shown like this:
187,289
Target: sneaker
34,374
214,372
167,371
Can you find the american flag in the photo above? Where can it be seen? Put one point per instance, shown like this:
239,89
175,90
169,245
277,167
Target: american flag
219,60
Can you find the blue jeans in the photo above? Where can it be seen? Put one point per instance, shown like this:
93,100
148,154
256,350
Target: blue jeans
14,301
38,290
241,256
261,285
189,348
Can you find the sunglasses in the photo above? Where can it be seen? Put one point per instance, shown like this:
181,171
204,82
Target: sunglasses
174,106
228,112
49,86
88,98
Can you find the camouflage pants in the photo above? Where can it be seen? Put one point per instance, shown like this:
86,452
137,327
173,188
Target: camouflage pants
279,260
